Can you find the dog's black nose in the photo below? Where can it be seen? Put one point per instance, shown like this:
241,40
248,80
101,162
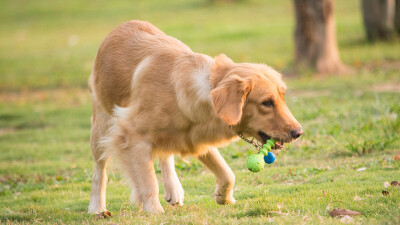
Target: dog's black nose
296,133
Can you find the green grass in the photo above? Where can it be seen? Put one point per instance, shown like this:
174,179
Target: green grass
350,122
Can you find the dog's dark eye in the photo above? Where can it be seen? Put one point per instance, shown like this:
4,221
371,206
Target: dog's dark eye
268,103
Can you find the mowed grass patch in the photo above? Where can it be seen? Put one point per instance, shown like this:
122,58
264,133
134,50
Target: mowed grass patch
351,123
47,44
46,164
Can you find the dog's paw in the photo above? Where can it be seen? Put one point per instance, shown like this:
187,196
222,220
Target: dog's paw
153,207
174,193
224,200
223,196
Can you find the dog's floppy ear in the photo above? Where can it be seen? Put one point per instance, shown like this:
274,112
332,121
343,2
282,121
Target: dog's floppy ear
220,69
228,98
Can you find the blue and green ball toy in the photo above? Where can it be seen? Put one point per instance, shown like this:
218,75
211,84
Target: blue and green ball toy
256,162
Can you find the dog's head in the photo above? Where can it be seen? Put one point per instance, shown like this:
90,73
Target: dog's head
250,97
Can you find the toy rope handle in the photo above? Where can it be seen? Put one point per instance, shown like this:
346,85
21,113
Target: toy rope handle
254,143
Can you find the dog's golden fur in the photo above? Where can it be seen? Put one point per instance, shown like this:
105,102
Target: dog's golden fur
154,97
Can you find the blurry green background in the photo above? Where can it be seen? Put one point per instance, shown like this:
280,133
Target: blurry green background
350,121
46,44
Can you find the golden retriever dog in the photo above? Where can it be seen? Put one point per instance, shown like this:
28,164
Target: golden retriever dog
153,97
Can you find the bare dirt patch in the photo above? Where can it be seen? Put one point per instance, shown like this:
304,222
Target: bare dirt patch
308,93
386,87
4,131
71,96
391,65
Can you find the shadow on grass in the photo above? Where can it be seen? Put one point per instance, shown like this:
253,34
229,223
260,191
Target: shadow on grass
15,218
4,117
258,212
363,42
31,125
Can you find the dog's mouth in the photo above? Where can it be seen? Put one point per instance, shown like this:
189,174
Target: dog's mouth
265,138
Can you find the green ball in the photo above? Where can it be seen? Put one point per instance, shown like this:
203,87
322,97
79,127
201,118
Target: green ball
255,163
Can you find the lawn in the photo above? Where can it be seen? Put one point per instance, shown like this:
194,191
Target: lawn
351,122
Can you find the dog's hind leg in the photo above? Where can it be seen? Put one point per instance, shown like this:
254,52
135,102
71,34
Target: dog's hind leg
101,122
137,163
172,187
225,178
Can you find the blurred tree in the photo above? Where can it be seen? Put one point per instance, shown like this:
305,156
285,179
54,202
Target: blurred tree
397,16
378,19
315,36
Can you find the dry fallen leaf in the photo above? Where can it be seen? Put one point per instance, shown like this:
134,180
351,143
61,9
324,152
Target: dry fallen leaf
104,215
395,183
386,184
357,198
343,212
361,169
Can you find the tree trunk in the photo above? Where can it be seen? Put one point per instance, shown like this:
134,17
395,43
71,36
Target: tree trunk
315,36
378,19
397,17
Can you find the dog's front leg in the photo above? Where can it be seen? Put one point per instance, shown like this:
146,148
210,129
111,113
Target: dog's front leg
173,189
137,162
225,178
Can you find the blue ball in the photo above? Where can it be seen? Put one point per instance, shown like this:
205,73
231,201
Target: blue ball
270,158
